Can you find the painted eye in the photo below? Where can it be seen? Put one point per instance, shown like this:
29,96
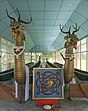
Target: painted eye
17,27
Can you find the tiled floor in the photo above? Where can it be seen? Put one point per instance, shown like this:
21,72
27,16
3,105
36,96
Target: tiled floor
65,105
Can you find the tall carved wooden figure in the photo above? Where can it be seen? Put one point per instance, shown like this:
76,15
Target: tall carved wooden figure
19,37
70,44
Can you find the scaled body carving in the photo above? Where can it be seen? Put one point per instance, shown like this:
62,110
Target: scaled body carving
19,48
70,44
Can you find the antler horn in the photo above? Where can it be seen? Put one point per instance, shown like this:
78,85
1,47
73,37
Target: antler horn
76,29
10,16
22,20
64,31
26,22
18,14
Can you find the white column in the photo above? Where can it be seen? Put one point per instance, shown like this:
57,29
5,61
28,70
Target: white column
27,83
16,90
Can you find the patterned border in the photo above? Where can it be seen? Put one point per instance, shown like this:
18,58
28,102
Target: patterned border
40,80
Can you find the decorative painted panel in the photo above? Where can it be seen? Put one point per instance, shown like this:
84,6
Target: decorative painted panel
48,83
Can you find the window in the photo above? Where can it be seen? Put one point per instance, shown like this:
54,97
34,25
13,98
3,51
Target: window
60,59
77,56
83,54
83,61
27,58
83,45
78,47
77,59
6,59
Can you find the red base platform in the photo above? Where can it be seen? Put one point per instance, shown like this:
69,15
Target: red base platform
42,102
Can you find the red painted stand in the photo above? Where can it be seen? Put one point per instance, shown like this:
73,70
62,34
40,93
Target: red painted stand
42,102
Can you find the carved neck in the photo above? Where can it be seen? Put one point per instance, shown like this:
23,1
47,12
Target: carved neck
19,41
69,50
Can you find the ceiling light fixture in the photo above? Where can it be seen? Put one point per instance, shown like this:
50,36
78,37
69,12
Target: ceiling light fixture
70,4
19,4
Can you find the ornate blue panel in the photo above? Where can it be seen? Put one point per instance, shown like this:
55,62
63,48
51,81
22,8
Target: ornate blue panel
48,83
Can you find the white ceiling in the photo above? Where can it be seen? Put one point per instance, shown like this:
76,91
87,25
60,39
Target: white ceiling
47,15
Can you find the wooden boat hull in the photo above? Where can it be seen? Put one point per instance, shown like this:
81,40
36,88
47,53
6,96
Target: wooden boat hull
6,75
81,75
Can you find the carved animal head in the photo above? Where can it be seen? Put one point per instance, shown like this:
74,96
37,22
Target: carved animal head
71,38
16,26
